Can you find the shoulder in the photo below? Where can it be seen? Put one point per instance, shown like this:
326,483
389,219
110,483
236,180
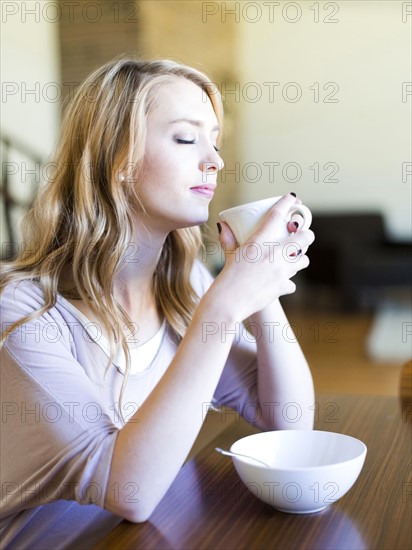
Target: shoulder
200,278
34,335
19,299
22,302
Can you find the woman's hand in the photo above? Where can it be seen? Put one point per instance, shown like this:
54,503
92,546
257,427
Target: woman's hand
259,271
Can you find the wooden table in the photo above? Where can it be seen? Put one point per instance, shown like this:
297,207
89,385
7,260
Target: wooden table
208,506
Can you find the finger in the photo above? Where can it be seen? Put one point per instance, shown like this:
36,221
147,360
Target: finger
284,204
296,221
276,216
305,238
226,237
297,264
291,249
289,288
296,253
303,262
297,244
301,240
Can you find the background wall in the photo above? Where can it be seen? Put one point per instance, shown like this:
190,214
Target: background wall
339,119
31,94
317,93
30,74
92,35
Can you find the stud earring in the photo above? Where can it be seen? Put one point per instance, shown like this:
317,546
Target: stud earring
121,178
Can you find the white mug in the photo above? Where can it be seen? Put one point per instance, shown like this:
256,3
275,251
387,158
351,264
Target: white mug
245,219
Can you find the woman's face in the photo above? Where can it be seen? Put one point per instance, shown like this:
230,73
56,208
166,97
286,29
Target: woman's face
180,166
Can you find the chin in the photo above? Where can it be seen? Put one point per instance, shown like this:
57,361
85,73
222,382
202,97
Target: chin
193,223
197,215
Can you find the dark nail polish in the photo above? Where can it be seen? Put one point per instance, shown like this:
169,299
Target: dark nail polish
219,228
293,194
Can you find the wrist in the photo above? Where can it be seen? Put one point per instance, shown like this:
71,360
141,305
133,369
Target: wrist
217,305
272,312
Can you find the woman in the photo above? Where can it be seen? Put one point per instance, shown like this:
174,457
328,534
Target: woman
115,336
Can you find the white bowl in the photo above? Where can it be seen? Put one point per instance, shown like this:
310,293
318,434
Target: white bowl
308,469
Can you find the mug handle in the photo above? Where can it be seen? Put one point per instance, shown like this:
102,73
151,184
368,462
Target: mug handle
304,212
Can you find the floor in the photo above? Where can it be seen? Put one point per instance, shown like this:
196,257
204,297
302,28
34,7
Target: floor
334,345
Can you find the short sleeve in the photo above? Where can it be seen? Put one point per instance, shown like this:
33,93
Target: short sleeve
57,438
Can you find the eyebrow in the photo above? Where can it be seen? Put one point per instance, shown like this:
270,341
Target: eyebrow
196,123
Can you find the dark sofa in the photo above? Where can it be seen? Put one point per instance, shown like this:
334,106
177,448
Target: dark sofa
353,255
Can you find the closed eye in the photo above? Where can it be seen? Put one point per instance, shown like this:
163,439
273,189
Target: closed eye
187,141
192,142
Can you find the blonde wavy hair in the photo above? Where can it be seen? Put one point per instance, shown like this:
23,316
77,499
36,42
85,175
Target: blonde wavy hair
82,217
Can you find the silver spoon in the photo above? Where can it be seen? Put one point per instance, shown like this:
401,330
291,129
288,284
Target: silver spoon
230,453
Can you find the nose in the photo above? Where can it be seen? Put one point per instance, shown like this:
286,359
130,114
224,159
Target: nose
212,166
209,167
211,161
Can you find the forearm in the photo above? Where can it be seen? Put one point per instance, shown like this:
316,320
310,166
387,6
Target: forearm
153,445
285,386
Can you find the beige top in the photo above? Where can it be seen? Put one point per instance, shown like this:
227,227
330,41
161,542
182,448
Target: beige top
61,413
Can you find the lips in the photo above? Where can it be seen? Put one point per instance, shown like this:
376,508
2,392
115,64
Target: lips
205,190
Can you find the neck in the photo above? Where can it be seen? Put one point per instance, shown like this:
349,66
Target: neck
133,285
